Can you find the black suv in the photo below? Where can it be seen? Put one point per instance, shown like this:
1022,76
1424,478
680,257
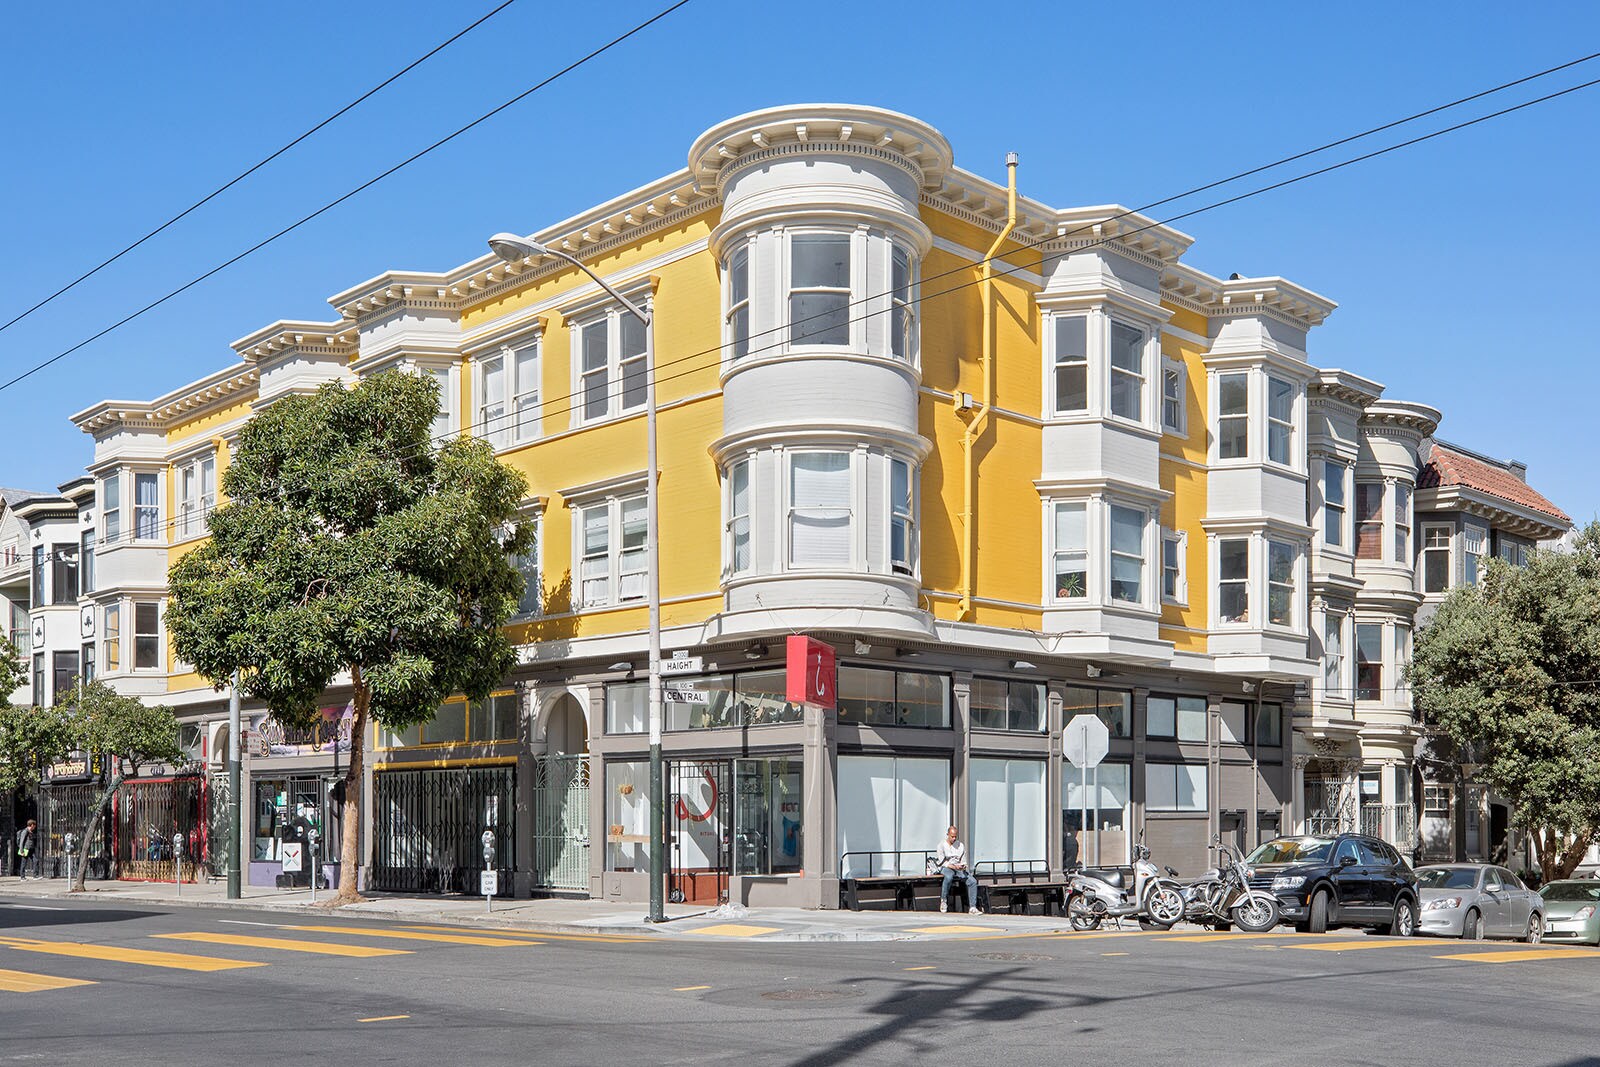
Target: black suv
1345,880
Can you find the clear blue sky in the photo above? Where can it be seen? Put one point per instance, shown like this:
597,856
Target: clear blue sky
1464,267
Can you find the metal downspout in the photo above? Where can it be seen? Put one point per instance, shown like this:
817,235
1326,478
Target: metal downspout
980,419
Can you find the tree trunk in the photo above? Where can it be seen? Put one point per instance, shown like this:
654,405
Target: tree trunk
350,826
1573,854
93,828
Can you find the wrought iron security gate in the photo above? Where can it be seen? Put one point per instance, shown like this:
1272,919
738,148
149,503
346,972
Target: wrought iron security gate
561,822
66,809
428,827
147,812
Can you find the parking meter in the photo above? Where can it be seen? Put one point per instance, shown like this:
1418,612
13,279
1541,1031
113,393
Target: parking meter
489,879
488,848
69,845
316,865
177,859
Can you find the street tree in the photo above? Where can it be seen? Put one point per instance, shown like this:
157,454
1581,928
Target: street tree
126,733
30,739
13,672
1509,671
353,551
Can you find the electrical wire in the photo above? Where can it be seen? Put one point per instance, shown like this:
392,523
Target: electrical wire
324,209
219,190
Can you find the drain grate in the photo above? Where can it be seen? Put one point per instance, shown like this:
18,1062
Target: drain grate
810,994
1015,957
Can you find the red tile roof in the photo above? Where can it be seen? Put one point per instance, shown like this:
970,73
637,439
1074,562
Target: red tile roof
1447,467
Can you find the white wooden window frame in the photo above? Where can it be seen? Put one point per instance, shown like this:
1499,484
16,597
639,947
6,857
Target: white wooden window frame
614,322
1176,375
1178,540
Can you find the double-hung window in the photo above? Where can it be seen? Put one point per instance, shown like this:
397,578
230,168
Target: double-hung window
530,600
525,392
738,316
88,561
111,507
902,518
595,374
738,531
1172,383
1333,503
64,574
146,636
902,313
146,507
612,354
1369,520
197,494
612,538
1435,564
1233,579
1127,554
444,421
819,289
594,567
1071,550
1369,661
1474,547
1333,656
1402,524
1127,371
36,597
1174,589
492,425
1071,364
1280,421
633,521
1283,560
1233,415
1402,653
820,527
111,637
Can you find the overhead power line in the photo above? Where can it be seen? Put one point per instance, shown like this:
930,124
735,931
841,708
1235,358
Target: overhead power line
330,205
242,175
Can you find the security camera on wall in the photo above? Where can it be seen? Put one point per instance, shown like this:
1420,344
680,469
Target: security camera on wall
1094,672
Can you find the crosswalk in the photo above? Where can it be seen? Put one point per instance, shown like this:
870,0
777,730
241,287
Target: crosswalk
245,951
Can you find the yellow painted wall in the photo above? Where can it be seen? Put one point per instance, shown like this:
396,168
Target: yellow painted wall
1183,475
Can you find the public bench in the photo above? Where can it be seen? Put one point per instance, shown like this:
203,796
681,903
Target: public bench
898,881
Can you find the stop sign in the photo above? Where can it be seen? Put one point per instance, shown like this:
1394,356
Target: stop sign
1086,741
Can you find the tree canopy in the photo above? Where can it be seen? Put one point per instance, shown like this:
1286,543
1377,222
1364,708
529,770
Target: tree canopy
350,547
1509,670
13,672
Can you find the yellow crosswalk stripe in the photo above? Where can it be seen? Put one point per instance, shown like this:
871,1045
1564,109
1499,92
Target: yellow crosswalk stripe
116,954
322,948
1516,956
416,935
23,982
620,939
1369,943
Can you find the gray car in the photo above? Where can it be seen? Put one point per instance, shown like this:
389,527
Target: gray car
1476,900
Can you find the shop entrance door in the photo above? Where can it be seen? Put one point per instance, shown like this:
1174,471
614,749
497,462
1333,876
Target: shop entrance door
561,822
699,819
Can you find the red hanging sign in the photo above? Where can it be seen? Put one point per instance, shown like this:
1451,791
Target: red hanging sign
813,675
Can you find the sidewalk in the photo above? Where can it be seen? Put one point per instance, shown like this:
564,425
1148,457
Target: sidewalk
559,916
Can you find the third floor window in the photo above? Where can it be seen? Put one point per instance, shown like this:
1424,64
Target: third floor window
611,365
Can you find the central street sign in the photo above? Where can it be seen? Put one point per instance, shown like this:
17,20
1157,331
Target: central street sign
1086,741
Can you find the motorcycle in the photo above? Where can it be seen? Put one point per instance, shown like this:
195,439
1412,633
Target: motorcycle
1224,897
1096,894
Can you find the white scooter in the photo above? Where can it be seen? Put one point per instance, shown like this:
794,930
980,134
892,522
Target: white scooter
1096,894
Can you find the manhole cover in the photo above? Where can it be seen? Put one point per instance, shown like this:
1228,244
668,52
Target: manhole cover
810,994
1014,957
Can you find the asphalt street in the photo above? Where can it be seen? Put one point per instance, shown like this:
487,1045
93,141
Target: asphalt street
82,982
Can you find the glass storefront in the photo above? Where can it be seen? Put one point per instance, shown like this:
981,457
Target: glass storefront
767,816
703,702
627,815
893,698
285,805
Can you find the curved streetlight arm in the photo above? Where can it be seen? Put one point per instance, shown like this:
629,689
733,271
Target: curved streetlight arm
526,249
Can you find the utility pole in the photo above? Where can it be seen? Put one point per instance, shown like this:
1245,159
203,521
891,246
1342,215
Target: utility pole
235,838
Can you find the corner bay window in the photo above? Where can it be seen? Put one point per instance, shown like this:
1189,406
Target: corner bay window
819,289
146,636
1233,415
738,315
1369,661
1127,371
902,525
1071,551
1333,503
820,532
997,704
1280,421
1402,524
1233,580
893,698
1071,364
738,529
1114,707
1127,554
1282,561
111,637
1369,520
146,507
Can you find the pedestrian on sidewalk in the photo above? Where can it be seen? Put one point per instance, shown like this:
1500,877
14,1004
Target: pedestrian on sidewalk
952,863
28,850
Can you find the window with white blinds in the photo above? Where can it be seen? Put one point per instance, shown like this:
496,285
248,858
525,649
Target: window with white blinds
738,533
819,509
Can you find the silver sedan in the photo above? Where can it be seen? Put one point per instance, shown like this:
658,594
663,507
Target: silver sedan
1476,900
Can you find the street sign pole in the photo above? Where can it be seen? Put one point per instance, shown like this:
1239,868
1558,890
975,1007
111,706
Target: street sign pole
235,839
1085,741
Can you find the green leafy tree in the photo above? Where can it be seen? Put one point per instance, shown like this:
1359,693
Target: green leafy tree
30,739
122,730
13,672
352,551
1509,671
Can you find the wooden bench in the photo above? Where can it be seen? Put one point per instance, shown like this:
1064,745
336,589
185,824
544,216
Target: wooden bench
897,881
1019,886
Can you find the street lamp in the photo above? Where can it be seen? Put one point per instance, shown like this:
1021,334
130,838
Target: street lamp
514,249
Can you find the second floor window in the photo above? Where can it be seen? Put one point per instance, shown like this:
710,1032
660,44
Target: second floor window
88,561
1283,561
111,637
1127,554
1369,661
611,378
146,507
508,396
1127,371
819,289
147,636
530,601
1071,551
1435,563
738,531
1072,364
1333,656
1333,506
612,536
1233,580
1174,589
64,574
902,521
820,529
197,495
1474,547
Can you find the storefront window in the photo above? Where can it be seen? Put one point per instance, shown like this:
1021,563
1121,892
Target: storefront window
288,809
1113,707
627,704
893,698
628,816
767,816
1105,792
1008,814
998,704
449,724
496,719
